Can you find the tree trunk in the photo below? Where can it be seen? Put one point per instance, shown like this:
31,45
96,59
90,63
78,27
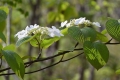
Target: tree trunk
81,72
83,66
8,29
91,77
49,72
34,20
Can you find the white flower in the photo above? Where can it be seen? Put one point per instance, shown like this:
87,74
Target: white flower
87,22
41,30
96,24
52,32
68,24
27,31
79,21
31,28
21,34
63,23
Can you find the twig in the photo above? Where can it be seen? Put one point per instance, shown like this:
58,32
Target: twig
76,45
40,52
46,67
60,53
47,58
43,59
109,41
72,57
112,43
42,68
4,69
61,60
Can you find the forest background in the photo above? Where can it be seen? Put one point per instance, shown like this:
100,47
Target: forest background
52,12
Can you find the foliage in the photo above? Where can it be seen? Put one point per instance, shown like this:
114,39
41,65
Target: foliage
15,62
80,30
96,53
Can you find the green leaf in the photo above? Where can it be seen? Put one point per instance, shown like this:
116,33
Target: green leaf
10,2
2,26
26,14
89,33
104,31
64,31
101,37
59,17
81,35
1,46
3,15
63,5
5,8
10,47
24,40
96,53
2,37
21,10
47,42
117,71
70,11
34,43
113,28
15,62
18,1
51,17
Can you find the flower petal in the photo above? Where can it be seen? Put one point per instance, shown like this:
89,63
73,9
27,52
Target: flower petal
52,32
96,24
63,23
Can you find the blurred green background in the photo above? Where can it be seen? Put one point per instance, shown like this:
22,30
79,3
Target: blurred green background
22,13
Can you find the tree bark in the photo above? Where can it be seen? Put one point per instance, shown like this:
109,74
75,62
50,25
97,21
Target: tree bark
81,72
8,29
34,20
91,77
82,67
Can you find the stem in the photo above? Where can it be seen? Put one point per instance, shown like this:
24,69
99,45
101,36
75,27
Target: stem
40,52
39,49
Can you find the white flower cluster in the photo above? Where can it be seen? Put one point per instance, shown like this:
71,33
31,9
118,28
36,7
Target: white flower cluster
36,29
79,21
52,32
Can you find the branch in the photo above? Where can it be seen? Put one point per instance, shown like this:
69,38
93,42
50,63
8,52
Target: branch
43,59
111,43
76,44
72,57
47,58
61,60
60,53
